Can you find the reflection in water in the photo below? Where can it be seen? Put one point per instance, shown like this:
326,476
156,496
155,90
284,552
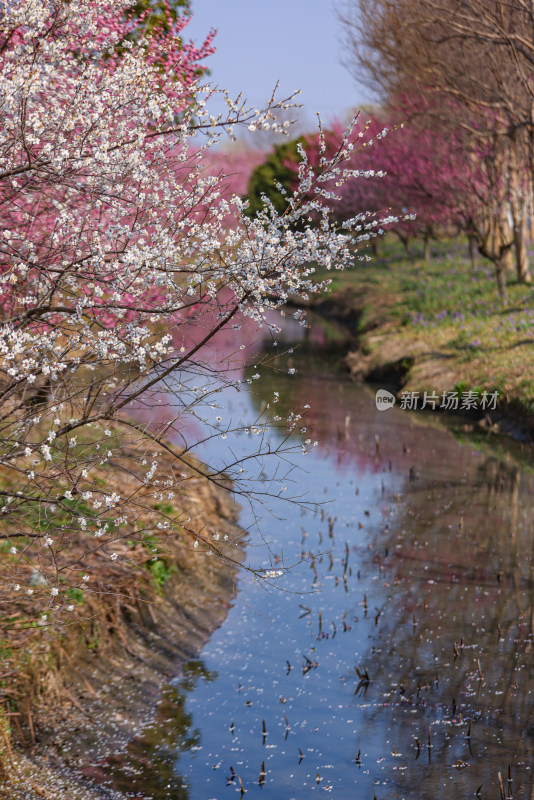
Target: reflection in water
396,657
148,768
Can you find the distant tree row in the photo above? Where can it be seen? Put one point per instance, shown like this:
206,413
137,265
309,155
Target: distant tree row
461,73
457,97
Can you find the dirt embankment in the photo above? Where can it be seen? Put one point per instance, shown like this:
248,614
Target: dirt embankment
98,685
411,365
404,358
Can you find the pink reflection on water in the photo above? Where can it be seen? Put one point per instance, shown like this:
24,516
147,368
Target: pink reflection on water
219,363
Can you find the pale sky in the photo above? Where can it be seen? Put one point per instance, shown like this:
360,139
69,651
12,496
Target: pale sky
297,42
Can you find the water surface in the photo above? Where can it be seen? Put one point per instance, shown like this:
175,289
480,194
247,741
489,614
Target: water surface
395,659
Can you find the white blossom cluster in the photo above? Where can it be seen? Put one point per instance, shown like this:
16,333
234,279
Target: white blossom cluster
112,241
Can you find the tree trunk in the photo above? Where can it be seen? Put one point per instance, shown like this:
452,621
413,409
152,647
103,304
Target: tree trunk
374,247
509,262
473,252
504,239
529,215
518,207
426,249
519,235
521,257
494,242
406,242
500,272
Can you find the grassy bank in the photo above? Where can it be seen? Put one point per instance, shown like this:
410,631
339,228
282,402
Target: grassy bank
72,693
439,326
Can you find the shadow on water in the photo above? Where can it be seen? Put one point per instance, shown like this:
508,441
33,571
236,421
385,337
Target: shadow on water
397,659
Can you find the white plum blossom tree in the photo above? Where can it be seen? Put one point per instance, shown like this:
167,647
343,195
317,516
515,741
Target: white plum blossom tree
117,269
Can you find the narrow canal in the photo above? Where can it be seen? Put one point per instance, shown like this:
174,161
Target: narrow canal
395,658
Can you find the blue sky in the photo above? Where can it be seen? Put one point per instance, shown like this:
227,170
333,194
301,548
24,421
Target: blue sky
297,42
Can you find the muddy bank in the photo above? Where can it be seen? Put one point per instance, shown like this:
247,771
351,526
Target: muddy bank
103,680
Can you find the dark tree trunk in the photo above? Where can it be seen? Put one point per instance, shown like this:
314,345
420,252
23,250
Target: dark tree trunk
473,252
426,249
407,243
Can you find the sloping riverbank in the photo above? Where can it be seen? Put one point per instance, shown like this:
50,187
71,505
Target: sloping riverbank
93,688
439,327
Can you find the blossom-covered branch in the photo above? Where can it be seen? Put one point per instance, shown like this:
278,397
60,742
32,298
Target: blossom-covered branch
117,271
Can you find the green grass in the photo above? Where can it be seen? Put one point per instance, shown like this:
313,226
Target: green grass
75,594
410,309
161,571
